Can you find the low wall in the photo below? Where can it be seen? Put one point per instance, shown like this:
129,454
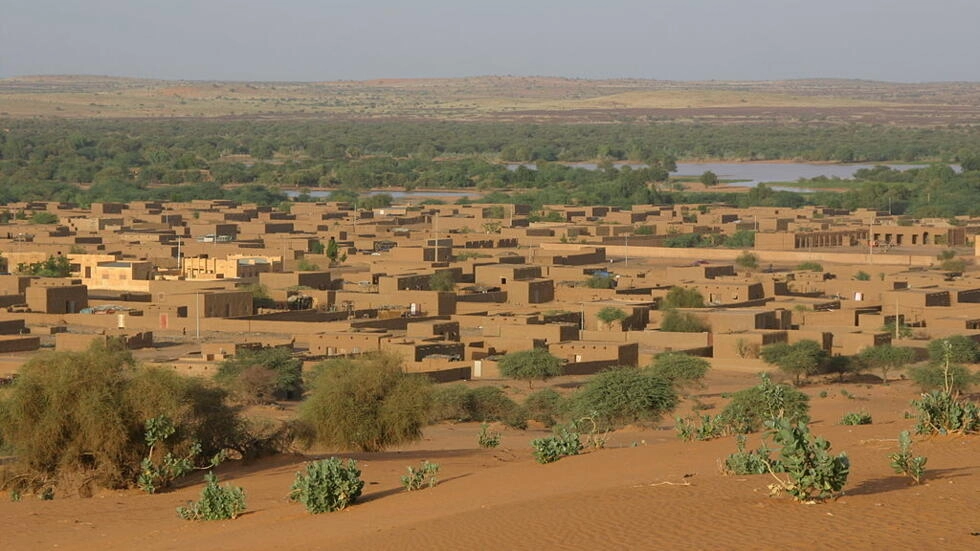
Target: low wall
765,256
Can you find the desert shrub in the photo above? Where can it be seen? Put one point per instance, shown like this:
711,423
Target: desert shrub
451,403
813,473
861,275
600,282
443,281
682,297
327,485
85,413
940,412
903,462
423,476
216,503
800,359
543,406
886,358
700,427
751,408
622,396
957,378
530,365
367,404
954,349
680,369
757,461
611,314
490,403
161,473
682,322
563,443
747,260
810,267
488,438
856,418
262,376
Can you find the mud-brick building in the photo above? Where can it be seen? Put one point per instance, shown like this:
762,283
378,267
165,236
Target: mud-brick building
56,296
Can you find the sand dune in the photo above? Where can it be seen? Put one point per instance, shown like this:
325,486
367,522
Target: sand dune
647,490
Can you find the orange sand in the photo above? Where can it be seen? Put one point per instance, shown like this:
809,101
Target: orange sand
646,490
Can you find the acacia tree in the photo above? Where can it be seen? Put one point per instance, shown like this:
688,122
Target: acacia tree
530,365
680,369
887,358
611,314
800,359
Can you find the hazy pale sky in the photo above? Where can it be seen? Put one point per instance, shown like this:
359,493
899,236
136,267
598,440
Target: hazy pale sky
310,40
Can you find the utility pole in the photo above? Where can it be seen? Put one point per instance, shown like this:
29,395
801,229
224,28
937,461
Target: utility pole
627,262
197,308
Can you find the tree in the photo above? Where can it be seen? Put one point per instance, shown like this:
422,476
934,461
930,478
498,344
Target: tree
887,357
709,178
682,322
611,314
74,416
443,281
800,359
680,369
260,376
955,349
367,403
54,266
624,395
333,250
530,365
747,260
682,297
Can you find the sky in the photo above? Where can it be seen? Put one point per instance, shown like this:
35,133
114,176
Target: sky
326,40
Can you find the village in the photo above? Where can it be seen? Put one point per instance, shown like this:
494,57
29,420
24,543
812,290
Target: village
454,287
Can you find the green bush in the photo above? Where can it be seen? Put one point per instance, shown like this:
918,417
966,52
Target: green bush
451,403
756,461
939,412
543,406
327,485
367,404
682,297
813,473
84,415
563,443
751,408
810,267
700,427
800,359
487,438
747,260
530,365
161,473
216,503
682,322
856,418
262,376
681,369
623,396
418,478
903,462
599,282
934,377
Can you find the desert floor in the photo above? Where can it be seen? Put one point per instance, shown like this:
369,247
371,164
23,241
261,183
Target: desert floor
645,490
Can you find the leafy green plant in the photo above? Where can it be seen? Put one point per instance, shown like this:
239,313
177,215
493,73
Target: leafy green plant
423,476
856,418
800,359
682,322
700,427
623,396
750,409
216,503
367,403
939,412
531,365
156,475
813,473
563,443
327,485
611,314
810,267
681,369
757,461
543,406
747,260
861,275
903,462
488,439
